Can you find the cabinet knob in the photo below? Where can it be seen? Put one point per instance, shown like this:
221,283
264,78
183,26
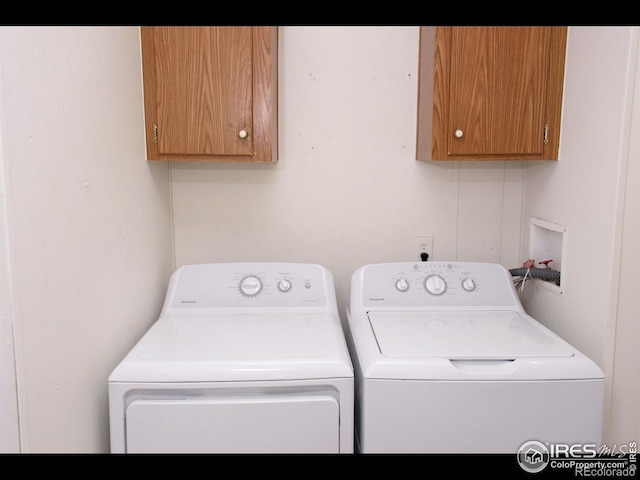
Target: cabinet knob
458,133
243,134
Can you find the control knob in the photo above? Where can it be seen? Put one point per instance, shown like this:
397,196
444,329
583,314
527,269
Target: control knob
402,284
250,285
435,285
284,285
469,284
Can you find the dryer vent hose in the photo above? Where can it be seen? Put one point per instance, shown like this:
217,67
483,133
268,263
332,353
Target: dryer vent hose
548,274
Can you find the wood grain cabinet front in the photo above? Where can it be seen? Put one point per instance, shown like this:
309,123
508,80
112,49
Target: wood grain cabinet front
490,93
210,93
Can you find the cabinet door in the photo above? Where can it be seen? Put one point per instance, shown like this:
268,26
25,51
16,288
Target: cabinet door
497,92
209,93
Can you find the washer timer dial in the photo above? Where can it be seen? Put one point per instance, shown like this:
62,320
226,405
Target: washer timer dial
250,285
435,285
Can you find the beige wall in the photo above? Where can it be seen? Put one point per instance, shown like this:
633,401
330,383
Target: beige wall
580,190
624,371
89,219
9,427
585,192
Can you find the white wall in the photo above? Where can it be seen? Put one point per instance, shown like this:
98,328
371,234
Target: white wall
584,192
624,423
347,190
9,427
579,191
89,224
624,367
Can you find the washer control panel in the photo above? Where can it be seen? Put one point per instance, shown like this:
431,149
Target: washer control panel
437,284
251,285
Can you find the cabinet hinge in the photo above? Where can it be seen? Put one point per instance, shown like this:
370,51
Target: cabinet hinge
155,134
546,134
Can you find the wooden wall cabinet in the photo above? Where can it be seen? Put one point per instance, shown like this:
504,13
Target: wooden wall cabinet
210,93
490,93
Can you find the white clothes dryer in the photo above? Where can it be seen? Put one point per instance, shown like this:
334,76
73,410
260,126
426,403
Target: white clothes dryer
446,360
244,358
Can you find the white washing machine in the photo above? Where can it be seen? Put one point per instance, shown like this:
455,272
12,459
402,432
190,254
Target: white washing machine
447,361
244,358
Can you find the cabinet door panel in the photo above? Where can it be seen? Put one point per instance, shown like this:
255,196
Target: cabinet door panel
203,90
490,93
499,76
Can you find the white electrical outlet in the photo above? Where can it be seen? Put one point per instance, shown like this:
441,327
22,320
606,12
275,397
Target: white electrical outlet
424,244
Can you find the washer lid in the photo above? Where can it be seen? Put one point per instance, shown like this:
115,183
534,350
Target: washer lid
238,347
464,335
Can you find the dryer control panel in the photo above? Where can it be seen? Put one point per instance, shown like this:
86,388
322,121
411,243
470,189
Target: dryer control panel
434,284
262,284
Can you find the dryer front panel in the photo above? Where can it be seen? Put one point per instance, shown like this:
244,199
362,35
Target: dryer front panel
234,424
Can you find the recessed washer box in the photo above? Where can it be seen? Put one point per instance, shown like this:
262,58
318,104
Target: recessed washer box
548,241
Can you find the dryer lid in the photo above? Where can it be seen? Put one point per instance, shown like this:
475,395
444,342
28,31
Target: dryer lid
464,335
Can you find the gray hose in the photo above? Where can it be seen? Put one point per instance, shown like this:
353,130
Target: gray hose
542,273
